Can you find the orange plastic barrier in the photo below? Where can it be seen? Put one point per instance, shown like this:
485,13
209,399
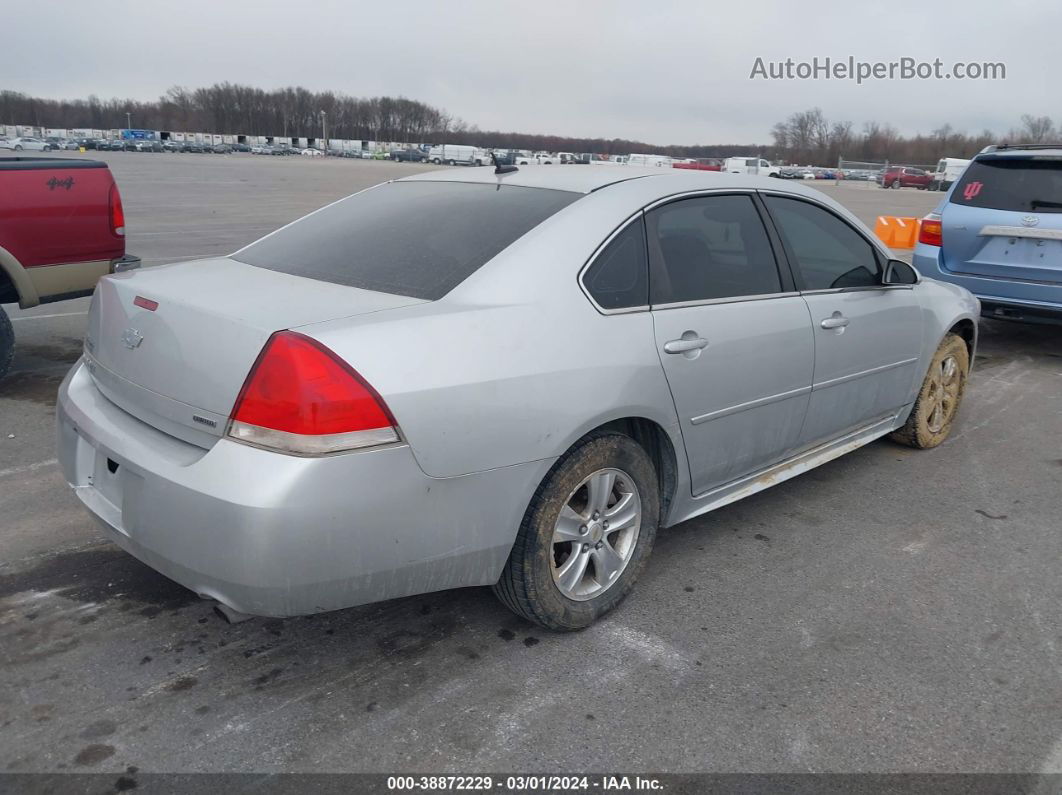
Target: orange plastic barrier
896,231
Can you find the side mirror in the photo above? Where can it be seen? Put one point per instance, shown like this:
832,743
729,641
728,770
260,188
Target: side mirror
899,272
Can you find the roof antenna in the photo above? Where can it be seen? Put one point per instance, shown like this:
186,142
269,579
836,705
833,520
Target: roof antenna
499,168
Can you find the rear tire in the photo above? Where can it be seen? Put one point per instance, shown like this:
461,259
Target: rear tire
939,399
7,343
555,578
896,184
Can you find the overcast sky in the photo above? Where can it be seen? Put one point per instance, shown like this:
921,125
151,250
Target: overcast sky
662,72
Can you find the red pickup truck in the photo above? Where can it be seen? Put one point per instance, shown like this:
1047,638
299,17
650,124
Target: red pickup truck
61,228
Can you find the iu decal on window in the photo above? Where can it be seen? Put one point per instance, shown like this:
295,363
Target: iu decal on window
971,190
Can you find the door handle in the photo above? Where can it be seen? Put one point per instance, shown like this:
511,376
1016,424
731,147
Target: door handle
836,320
685,345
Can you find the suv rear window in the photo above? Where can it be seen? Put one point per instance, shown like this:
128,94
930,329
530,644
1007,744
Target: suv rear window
419,239
1017,184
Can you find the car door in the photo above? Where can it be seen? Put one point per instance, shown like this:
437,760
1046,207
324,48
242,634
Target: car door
868,336
733,336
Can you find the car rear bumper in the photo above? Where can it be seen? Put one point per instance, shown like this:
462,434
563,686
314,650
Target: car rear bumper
278,535
1006,298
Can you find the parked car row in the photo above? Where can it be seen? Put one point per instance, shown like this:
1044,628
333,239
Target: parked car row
806,172
30,143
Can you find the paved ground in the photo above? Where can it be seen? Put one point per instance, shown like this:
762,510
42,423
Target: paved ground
890,611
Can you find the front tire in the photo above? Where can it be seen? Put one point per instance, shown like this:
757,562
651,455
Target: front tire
586,536
7,343
938,401
896,184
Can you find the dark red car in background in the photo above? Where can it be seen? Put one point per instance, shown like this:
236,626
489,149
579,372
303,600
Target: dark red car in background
905,177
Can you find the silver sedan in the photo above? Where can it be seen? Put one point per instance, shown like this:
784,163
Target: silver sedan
509,378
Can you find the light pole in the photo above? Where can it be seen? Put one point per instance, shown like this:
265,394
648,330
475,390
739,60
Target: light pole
324,133
128,120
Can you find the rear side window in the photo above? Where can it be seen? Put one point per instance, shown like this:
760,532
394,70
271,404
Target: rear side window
828,252
1022,185
419,239
619,277
710,247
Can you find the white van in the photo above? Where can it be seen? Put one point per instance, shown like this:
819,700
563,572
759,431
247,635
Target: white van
660,161
459,155
949,169
750,165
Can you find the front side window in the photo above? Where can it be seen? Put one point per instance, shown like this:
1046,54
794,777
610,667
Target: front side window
619,276
710,247
829,253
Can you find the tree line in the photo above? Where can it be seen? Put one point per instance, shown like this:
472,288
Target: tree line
809,138
229,108
805,138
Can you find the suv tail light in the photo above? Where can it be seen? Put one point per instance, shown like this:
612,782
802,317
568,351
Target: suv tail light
301,398
117,213
931,231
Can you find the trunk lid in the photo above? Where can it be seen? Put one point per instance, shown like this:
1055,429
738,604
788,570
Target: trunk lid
180,365
1003,220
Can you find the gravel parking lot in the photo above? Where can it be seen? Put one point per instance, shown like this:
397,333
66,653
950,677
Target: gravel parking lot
893,610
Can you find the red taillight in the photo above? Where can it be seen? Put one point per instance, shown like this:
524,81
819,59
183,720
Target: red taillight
117,213
931,232
301,398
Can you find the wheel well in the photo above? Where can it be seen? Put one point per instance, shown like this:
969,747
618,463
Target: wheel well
8,293
968,332
654,439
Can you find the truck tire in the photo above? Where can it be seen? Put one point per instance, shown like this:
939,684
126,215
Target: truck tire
7,343
939,399
568,567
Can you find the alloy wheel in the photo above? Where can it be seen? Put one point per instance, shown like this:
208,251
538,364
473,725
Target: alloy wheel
596,534
943,395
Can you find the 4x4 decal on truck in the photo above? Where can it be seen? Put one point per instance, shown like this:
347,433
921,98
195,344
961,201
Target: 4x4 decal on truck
55,182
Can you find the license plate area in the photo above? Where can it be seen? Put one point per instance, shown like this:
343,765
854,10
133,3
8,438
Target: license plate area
1022,258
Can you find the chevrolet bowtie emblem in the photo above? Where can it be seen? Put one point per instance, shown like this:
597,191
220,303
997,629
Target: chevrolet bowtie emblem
132,338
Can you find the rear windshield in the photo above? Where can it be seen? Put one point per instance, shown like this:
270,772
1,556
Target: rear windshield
419,239
1022,185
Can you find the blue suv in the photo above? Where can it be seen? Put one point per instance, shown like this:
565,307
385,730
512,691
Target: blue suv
998,233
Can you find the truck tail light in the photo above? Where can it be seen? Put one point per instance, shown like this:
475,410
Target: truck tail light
117,213
301,398
931,231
